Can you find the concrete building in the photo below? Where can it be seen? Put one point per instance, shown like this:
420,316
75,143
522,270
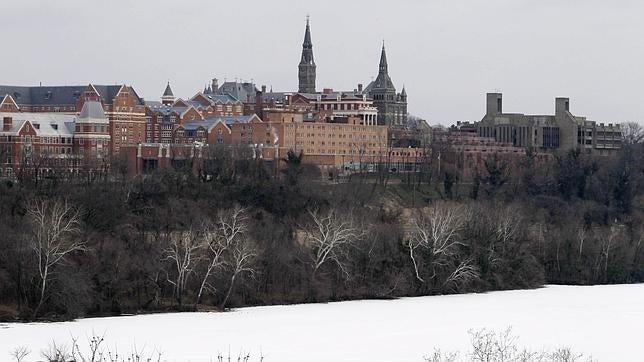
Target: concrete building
559,132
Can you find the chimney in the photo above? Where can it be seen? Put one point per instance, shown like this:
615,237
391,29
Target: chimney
264,89
494,104
360,87
215,85
6,123
562,105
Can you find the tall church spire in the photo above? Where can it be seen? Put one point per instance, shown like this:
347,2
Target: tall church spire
383,60
308,44
306,69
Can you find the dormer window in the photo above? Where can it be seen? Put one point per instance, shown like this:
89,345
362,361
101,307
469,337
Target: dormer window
36,125
54,126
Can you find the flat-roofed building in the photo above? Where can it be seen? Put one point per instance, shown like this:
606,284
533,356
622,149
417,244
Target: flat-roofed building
559,132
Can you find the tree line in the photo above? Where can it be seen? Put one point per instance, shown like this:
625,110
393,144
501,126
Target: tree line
238,233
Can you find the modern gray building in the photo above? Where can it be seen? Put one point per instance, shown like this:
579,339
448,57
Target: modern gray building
562,131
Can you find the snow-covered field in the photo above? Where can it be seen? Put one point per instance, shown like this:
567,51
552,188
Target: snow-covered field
604,321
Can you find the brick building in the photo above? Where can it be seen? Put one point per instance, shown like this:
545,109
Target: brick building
470,152
53,142
330,142
121,104
164,118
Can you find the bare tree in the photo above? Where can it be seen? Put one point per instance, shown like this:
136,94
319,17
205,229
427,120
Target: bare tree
608,243
239,258
436,231
632,133
581,238
182,252
464,273
328,237
20,353
506,229
487,346
54,226
217,239
56,353
96,351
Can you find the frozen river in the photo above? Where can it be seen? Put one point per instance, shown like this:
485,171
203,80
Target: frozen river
606,322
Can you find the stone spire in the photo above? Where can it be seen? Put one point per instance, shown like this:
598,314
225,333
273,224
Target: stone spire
383,60
306,69
308,44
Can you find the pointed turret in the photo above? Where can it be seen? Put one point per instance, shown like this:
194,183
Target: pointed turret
306,69
168,96
168,91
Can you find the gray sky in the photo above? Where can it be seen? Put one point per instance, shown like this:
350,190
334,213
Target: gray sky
446,53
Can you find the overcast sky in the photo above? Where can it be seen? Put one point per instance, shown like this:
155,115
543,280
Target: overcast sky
448,54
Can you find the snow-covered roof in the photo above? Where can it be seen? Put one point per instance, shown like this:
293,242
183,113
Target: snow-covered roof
45,124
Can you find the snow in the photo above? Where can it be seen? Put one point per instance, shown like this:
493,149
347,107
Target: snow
604,321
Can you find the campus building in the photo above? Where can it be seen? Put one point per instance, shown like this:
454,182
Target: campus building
121,104
42,143
562,131
392,106
164,118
